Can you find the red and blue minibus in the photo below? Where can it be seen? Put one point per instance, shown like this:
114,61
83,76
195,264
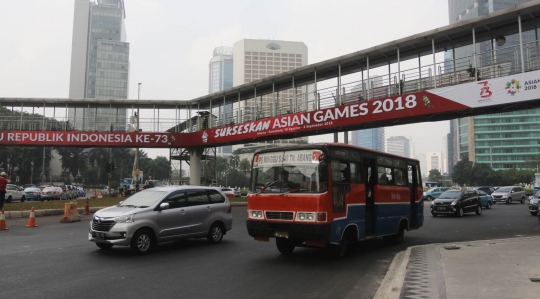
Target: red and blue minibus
330,195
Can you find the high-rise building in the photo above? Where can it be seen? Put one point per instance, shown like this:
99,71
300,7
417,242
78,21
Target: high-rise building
398,145
220,78
434,160
370,138
256,59
99,63
504,140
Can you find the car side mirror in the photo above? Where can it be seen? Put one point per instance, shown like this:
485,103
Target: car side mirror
164,206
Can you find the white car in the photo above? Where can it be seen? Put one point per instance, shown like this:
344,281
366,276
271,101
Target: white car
14,193
228,192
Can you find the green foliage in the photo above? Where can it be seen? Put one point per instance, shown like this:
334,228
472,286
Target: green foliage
471,70
462,171
435,176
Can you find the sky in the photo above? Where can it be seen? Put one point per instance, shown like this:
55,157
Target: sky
171,43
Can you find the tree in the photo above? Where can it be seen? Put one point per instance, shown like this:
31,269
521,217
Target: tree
244,165
158,168
435,176
462,171
482,174
234,161
73,159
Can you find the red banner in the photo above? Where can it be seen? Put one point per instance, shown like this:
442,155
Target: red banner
86,139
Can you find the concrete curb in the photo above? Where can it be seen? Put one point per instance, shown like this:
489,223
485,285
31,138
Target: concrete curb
54,212
395,276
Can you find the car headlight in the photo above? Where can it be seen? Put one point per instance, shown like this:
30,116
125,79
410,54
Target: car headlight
433,203
504,195
454,203
124,219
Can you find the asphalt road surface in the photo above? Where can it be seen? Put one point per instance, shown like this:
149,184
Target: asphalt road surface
56,260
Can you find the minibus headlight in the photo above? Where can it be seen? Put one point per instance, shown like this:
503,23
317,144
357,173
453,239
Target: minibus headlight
255,214
259,214
301,216
310,216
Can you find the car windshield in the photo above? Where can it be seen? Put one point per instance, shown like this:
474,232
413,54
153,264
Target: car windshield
144,198
290,171
504,189
450,194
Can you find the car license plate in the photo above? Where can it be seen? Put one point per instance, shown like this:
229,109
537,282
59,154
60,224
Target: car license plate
99,236
440,208
281,234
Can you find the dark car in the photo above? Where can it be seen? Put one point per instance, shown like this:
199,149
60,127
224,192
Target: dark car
456,202
534,203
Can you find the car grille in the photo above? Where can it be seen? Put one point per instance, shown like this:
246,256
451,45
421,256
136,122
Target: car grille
280,215
102,225
496,196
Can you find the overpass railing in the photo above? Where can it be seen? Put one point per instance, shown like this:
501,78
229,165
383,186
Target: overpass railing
489,64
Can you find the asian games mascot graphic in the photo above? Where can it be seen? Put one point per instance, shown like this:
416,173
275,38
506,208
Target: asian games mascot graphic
205,137
512,87
427,102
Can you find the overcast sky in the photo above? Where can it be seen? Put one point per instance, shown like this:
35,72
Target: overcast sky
171,43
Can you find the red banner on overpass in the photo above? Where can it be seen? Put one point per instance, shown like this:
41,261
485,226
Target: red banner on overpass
475,95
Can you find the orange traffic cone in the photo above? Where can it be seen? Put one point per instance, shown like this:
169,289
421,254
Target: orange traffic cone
32,219
3,221
86,208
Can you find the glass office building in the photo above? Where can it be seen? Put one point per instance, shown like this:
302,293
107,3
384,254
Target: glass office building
99,63
370,138
503,140
220,70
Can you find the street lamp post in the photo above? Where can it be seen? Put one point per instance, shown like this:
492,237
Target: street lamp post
31,172
135,174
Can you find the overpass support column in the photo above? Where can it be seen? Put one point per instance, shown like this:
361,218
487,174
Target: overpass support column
195,159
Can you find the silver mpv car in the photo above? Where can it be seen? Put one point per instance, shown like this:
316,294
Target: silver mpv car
162,214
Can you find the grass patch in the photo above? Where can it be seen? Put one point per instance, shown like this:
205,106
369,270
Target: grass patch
59,204
93,202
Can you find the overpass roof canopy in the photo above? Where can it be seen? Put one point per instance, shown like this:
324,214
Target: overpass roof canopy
500,23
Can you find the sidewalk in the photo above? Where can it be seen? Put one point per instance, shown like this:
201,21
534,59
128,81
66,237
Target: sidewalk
507,268
53,212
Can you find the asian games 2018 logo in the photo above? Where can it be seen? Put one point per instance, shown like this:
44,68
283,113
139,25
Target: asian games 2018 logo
512,87
204,137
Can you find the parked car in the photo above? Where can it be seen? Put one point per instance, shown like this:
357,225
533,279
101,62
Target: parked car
456,202
53,193
228,192
509,194
162,214
29,186
485,199
32,193
237,193
534,203
13,192
486,189
434,193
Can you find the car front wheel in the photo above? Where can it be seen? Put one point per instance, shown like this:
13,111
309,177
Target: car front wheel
488,205
142,242
522,200
459,212
479,210
23,198
429,198
534,213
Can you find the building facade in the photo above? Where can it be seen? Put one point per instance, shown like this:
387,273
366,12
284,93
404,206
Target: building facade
255,59
99,63
370,138
503,140
220,70
398,145
434,160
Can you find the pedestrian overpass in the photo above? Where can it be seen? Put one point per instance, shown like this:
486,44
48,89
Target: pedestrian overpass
370,88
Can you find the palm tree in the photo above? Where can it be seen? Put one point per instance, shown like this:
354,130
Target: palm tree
234,161
158,168
245,166
74,160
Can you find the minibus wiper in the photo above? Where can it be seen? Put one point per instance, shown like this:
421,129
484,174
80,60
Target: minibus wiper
290,191
266,187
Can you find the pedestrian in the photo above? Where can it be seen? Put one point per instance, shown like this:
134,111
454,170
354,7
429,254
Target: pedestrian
4,180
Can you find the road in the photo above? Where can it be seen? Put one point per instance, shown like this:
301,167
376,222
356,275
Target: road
55,260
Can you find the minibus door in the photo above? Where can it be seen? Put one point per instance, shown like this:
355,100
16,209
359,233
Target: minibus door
369,171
